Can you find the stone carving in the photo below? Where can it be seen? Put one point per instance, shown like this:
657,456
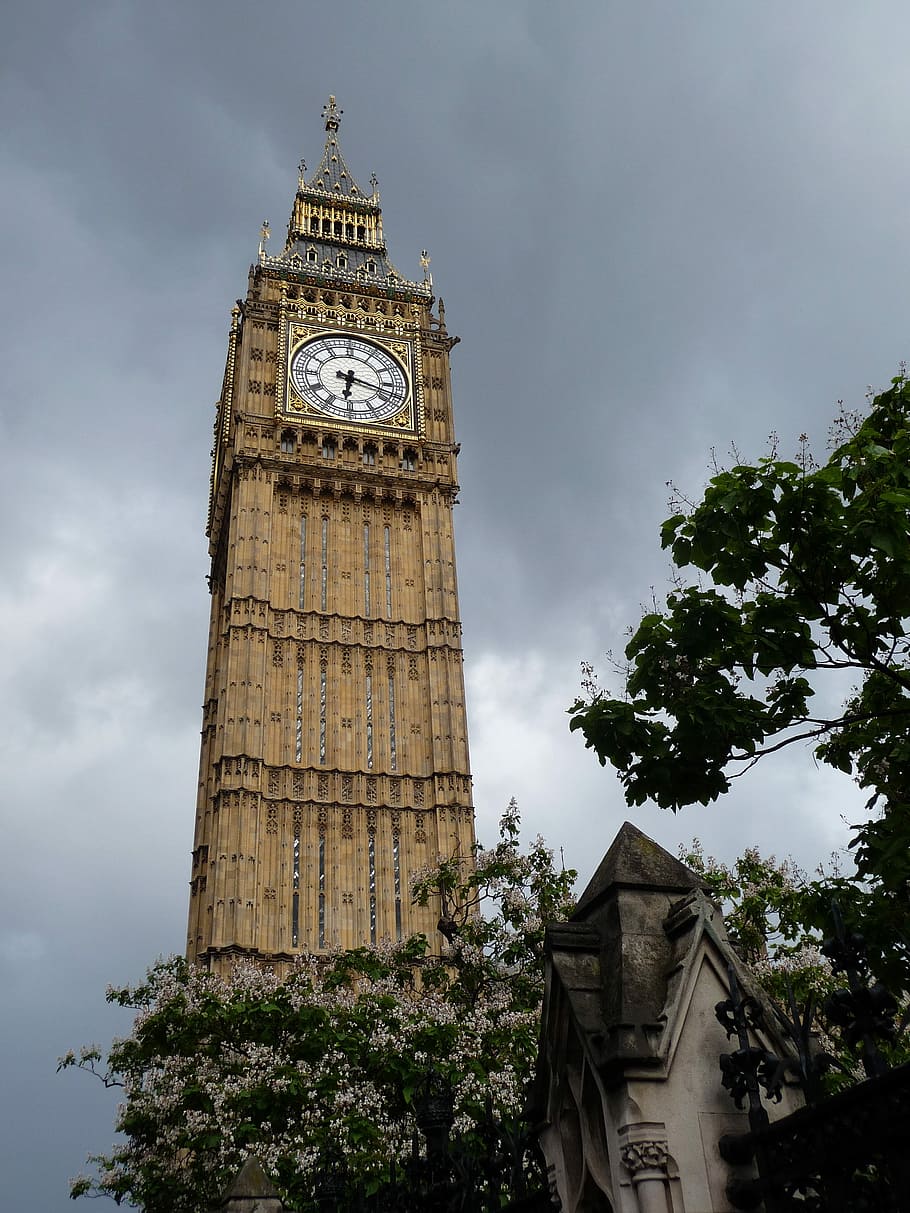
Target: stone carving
638,1156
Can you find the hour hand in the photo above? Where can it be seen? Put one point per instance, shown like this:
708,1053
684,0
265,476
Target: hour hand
348,377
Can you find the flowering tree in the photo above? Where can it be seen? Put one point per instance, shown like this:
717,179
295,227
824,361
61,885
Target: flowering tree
768,912
328,1063
783,924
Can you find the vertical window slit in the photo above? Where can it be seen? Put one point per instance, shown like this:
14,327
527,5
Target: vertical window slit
366,569
298,724
369,720
387,544
322,890
295,897
323,679
325,563
372,887
396,867
393,748
300,600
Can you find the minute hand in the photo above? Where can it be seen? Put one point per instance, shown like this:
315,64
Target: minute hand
374,387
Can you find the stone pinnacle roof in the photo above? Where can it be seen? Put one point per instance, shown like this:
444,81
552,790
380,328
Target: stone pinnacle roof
637,861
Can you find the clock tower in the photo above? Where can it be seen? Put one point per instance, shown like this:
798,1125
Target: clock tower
334,741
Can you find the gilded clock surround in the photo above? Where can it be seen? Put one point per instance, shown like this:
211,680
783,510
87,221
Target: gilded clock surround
334,747
295,335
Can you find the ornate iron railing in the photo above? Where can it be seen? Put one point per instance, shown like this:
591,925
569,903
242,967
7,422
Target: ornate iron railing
842,1153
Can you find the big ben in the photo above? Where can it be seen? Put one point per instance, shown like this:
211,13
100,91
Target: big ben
334,743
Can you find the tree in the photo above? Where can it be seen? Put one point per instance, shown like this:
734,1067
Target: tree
329,1062
772,913
810,577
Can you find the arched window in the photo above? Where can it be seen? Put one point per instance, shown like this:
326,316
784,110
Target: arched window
288,442
311,254
409,460
341,261
361,232
369,455
371,266
328,448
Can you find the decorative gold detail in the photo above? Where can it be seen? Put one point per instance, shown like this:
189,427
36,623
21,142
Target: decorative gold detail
332,115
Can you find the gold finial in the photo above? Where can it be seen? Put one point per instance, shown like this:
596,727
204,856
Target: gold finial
264,233
332,115
425,266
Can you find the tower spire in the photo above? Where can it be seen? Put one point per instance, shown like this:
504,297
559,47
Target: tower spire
335,228
332,176
332,115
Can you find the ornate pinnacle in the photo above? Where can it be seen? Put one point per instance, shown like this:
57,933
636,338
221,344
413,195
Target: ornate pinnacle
332,115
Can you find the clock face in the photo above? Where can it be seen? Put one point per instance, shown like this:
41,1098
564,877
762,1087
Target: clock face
346,377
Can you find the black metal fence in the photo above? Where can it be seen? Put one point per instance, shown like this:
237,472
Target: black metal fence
842,1153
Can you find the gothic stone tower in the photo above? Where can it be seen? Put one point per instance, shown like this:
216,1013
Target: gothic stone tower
334,742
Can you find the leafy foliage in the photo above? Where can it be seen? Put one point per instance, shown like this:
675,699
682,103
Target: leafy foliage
327,1063
782,923
810,572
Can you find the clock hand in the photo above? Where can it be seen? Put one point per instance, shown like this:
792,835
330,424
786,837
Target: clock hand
348,377
377,388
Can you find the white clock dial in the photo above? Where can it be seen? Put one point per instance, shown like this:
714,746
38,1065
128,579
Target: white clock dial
349,378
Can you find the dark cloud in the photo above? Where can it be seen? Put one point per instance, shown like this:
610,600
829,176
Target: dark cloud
657,229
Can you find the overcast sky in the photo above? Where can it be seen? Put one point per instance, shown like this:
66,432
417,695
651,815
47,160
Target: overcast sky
658,228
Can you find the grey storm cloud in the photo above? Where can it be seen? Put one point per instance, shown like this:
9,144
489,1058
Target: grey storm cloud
658,229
